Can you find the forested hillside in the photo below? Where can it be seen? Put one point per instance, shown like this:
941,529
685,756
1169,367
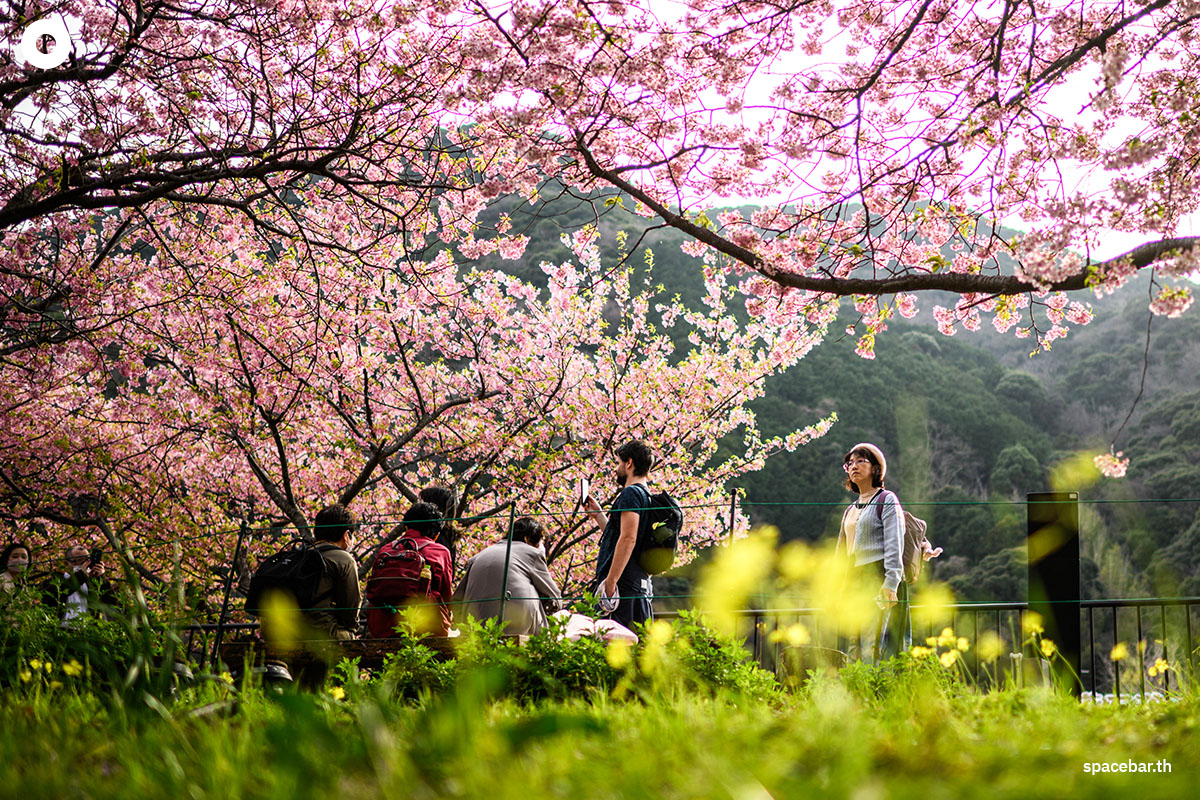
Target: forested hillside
970,424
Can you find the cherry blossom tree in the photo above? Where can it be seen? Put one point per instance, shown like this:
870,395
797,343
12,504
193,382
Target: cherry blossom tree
887,140
238,236
301,385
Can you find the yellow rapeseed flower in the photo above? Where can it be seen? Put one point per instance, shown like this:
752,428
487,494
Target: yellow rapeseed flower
337,693
797,635
618,654
1152,672
1048,648
947,639
55,685
1032,623
73,668
35,664
948,658
1119,652
735,573
931,641
660,632
797,562
47,666
25,675
920,652
931,605
227,678
963,645
991,646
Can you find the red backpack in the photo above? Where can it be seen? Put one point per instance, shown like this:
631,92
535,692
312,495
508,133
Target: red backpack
401,574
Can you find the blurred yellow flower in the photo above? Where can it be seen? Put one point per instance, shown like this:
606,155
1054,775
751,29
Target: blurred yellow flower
931,641
73,668
931,605
1160,668
948,658
1032,623
1119,651
47,666
618,654
280,620
25,675
660,632
227,678
735,573
55,685
991,646
920,652
795,635
797,562
35,664
337,693
963,645
1048,648
947,639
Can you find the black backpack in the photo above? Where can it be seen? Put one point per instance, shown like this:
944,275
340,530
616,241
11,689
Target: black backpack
296,570
658,539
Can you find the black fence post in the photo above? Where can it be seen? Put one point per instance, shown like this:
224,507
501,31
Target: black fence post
508,541
243,529
1053,543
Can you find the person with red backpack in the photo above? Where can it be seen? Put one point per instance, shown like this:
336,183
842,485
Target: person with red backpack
414,570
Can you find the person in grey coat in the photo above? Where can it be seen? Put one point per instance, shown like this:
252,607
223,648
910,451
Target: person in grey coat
532,593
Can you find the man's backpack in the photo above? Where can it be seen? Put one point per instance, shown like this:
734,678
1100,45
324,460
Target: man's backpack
400,573
658,539
915,541
296,570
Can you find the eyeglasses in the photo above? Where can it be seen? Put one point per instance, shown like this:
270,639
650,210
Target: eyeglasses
853,463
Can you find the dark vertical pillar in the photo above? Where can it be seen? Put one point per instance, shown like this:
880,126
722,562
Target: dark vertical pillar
1053,541
243,529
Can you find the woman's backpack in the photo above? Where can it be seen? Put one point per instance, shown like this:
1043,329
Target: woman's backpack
915,540
400,573
401,576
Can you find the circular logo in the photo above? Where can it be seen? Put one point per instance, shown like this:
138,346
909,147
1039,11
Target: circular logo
54,40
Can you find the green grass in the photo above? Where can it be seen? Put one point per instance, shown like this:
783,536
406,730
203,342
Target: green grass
917,737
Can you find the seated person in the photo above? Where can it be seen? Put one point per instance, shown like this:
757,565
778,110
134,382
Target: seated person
531,592
15,563
412,571
336,610
447,504
16,592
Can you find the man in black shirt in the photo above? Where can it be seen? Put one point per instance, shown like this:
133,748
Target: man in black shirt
623,587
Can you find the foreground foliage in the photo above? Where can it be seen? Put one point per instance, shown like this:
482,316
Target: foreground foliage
918,740
680,714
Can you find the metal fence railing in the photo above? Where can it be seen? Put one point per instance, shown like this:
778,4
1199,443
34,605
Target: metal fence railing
1152,630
